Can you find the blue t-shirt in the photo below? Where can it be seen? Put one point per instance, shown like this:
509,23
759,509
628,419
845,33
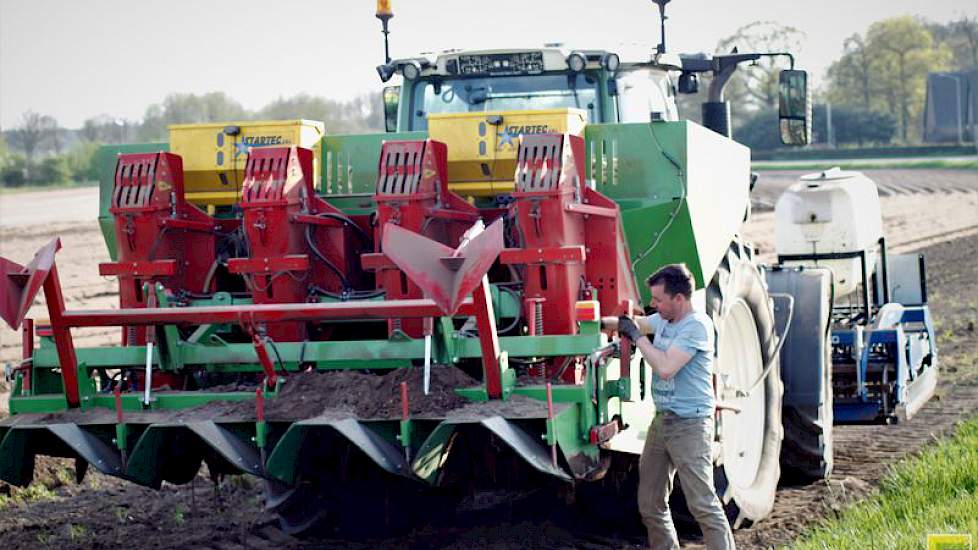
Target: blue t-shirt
689,393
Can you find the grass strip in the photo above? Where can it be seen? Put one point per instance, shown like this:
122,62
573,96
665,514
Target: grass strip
936,492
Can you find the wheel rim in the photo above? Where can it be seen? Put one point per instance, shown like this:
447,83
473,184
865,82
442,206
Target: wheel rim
740,363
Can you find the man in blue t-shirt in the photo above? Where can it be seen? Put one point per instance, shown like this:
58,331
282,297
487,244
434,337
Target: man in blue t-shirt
679,439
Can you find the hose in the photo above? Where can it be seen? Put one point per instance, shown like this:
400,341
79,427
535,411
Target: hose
210,274
516,318
365,239
319,256
777,350
353,294
281,364
675,213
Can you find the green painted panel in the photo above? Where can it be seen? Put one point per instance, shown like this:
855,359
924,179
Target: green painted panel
682,191
16,466
345,354
105,160
350,168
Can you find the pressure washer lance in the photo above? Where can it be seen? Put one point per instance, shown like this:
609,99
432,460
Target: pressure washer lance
428,329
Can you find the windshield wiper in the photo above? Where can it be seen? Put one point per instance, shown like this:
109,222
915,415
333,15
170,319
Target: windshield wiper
572,84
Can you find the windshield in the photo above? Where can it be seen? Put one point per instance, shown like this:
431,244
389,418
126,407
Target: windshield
504,93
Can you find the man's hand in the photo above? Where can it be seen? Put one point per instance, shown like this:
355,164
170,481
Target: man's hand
628,328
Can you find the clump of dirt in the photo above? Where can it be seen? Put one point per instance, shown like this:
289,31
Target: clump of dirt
517,406
347,393
309,394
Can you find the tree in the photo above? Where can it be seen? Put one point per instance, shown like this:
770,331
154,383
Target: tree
30,134
104,129
14,171
189,108
52,170
53,133
853,71
886,70
755,86
359,115
80,161
907,53
961,38
854,125
759,131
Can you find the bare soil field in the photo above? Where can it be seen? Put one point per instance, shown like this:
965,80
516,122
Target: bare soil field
106,512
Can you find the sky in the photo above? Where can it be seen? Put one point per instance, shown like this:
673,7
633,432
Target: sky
76,59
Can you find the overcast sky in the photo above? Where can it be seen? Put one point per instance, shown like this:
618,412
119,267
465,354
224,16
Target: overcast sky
74,59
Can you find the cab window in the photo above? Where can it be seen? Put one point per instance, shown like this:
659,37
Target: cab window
642,92
505,93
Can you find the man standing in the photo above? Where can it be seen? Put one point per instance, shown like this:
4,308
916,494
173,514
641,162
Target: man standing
679,439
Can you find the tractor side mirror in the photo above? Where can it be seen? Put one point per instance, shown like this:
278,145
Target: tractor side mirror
794,108
689,83
392,97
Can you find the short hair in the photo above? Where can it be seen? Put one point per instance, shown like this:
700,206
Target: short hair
676,279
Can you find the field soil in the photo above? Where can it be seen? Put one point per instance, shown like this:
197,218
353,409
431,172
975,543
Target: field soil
937,219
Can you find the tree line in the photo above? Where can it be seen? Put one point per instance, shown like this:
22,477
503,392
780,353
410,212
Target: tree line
877,87
39,151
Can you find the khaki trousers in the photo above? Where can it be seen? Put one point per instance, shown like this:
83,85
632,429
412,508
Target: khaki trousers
680,445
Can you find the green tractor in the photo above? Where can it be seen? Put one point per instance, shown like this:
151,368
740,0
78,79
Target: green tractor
351,317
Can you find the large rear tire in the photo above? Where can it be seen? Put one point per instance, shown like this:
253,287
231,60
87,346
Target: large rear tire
747,466
808,448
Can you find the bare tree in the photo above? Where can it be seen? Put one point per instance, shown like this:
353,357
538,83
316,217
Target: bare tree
29,135
52,133
755,86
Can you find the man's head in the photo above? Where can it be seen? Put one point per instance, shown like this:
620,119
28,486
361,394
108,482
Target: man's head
672,288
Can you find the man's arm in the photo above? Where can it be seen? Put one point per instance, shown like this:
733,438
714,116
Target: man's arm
665,363
644,325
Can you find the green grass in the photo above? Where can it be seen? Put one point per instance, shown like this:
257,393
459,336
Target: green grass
936,492
954,164
34,492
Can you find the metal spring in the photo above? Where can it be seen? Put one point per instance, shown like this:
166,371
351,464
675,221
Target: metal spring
538,317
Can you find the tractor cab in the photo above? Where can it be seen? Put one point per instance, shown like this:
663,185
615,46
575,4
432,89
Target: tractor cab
551,77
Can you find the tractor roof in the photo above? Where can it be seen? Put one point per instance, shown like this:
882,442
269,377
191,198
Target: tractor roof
514,61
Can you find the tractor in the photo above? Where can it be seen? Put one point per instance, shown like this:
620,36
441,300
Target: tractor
374,319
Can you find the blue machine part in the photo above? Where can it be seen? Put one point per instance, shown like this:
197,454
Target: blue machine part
883,372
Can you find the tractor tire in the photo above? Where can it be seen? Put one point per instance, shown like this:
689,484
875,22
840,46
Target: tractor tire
807,452
747,468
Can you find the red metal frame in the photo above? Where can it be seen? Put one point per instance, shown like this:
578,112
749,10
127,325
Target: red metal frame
294,236
570,232
412,193
160,236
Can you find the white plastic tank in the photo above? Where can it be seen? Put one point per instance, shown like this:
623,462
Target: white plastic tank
830,212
